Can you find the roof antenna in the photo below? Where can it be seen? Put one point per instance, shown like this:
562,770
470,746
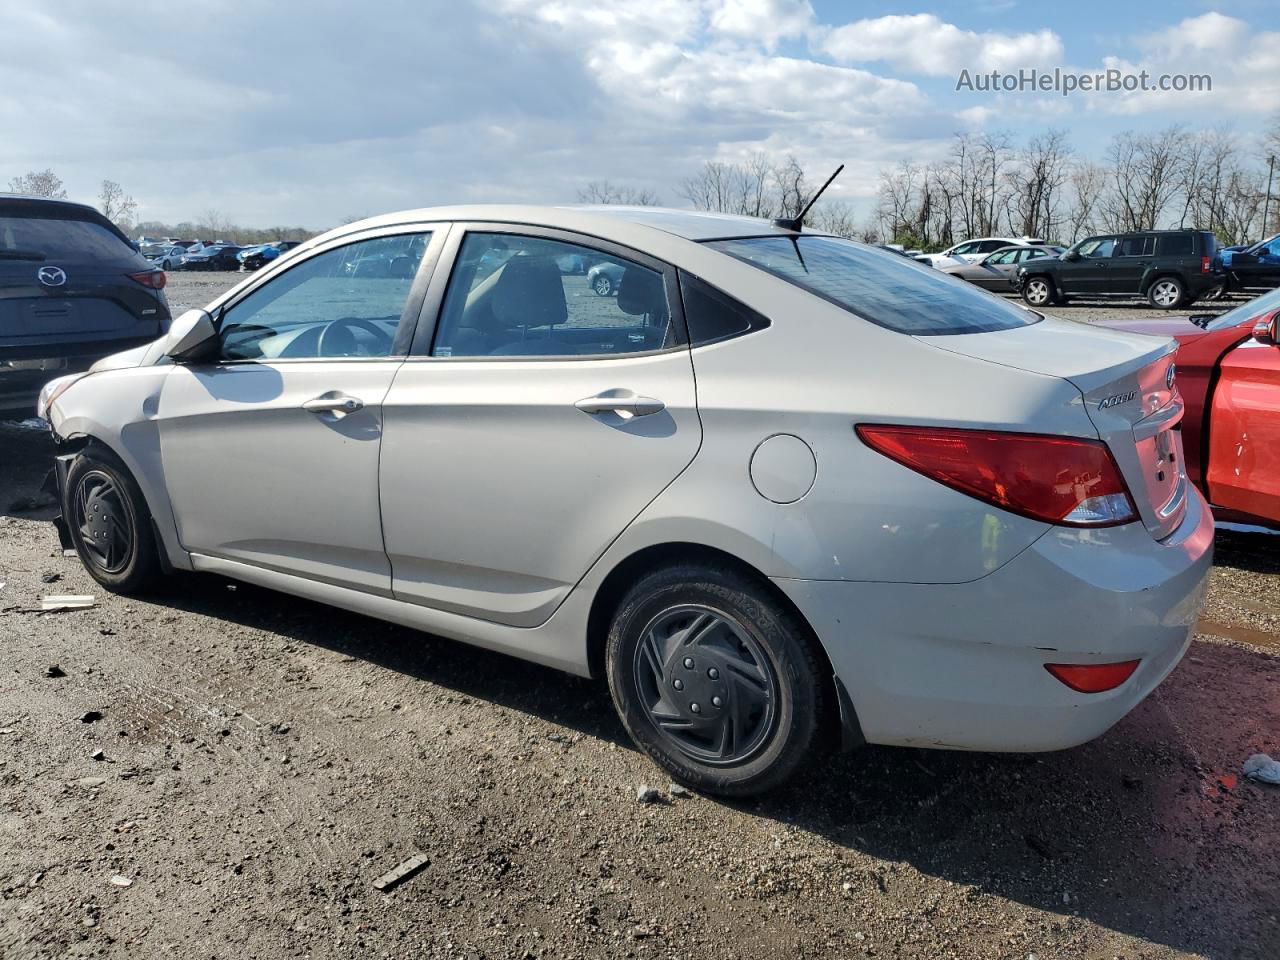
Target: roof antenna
797,223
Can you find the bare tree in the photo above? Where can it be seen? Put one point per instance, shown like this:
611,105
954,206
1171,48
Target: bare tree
1088,180
1142,178
116,205
39,183
1039,175
604,191
835,217
214,224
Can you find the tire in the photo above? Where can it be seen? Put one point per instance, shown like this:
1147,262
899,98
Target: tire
602,285
1038,291
1166,293
110,523
689,639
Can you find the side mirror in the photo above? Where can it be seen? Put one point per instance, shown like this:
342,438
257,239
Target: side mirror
190,335
1264,331
1071,256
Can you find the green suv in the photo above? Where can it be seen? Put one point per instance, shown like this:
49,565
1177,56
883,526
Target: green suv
1170,268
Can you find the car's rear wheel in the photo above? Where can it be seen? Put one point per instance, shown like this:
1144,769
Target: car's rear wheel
602,285
109,523
1037,291
715,680
1167,293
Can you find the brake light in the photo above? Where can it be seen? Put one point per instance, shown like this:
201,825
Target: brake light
1093,677
155,279
1061,480
1204,264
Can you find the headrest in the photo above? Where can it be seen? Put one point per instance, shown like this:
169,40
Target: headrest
529,293
642,292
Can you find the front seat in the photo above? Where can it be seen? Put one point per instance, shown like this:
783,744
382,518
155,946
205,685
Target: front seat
530,294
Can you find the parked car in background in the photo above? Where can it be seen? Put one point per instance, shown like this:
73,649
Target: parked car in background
1229,379
1252,268
717,489
167,258
258,256
1170,268
605,277
971,251
218,256
72,290
995,270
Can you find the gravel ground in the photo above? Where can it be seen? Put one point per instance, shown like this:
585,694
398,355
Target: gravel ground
266,758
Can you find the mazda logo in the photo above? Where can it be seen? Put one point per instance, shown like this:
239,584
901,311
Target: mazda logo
52,276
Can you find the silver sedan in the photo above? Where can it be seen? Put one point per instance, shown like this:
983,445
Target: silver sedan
995,270
782,490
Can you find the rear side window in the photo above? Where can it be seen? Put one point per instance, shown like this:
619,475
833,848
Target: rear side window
713,315
1137,246
37,238
881,287
1176,245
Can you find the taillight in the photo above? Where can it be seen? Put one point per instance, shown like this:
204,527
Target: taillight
155,279
1093,677
1061,480
1204,264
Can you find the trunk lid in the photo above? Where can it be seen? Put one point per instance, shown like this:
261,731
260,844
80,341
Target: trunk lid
1128,394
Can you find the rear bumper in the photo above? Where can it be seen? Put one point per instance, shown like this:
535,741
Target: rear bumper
962,666
24,370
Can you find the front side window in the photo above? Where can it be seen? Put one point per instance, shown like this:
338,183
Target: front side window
881,287
522,296
1007,256
345,302
1097,247
964,248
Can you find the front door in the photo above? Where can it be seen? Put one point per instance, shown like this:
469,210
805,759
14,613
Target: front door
1244,432
270,454
548,410
1088,273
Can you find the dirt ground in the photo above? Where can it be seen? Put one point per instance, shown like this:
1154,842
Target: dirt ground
266,758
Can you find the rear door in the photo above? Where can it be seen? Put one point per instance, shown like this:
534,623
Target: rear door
1130,263
533,424
1244,432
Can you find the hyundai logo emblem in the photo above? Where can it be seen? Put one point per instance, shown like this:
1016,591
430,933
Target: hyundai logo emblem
52,276
1168,377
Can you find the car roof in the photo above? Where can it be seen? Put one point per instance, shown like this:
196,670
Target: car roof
689,224
16,202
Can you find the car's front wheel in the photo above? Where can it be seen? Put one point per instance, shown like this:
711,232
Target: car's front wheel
109,523
715,679
1037,291
1166,293
602,285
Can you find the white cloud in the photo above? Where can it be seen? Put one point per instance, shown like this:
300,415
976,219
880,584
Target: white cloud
922,43
763,21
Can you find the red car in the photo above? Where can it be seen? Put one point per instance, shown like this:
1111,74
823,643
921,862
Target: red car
1229,378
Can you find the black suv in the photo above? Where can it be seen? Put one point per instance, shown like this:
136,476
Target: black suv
1171,268
72,289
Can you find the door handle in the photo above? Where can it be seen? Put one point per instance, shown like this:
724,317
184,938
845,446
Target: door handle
334,402
629,403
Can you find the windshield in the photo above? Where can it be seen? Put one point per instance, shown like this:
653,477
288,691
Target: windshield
1246,311
889,290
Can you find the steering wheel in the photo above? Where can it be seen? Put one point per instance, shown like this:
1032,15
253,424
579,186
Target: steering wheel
338,340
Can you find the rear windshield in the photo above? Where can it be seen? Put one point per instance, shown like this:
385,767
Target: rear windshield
884,288
37,238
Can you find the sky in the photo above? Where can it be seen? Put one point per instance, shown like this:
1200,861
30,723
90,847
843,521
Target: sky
312,113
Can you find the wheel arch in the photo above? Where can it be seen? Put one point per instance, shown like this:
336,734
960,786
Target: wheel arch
840,726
